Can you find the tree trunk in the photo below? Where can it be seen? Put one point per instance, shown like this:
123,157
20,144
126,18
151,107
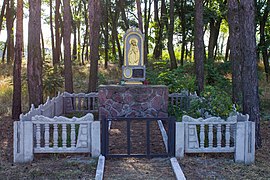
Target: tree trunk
34,63
94,24
214,32
61,35
57,33
182,16
52,33
4,53
186,53
161,22
42,46
86,35
199,45
170,36
156,53
222,44
119,49
191,49
10,31
17,82
75,48
147,14
263,44
227,49
106,33
139,12
79,42
2,13
249,66
115,39
235,50
123,14
74,51
67,48
85,43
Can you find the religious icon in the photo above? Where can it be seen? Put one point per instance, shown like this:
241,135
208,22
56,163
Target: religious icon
133,70
133,53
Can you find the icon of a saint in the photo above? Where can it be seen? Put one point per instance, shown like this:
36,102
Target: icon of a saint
133,53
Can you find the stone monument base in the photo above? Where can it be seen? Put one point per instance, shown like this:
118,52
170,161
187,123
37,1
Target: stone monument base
133,101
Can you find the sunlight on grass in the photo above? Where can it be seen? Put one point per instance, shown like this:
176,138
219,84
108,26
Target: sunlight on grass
111,75
5,96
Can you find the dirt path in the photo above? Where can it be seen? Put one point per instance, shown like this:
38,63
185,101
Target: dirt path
135,169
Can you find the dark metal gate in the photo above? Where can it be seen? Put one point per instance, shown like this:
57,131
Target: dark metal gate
127,131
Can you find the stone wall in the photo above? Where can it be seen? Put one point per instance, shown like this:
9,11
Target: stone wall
133,101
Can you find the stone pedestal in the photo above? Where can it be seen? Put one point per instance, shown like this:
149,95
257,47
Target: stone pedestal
133,101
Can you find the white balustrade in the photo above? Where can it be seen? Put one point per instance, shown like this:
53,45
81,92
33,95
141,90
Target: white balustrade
65,139
227,135
38,135
64,135
80,102
219,136
47,135
202,136
72,134
55,135
210,136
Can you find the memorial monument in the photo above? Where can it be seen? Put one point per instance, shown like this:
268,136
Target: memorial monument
133,70
132,98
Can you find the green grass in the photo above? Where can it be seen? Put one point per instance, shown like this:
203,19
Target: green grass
80,83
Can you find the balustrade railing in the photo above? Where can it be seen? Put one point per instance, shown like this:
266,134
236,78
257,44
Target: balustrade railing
215,135
61,134
80,102
209,137
181,100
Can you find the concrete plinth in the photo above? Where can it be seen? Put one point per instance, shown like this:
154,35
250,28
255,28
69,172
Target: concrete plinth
133,101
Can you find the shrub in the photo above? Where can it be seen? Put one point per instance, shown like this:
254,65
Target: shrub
214,101
176,80
52,79
217,75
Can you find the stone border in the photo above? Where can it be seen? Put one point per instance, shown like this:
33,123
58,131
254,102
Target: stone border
174,163
100,168
163,133
177,169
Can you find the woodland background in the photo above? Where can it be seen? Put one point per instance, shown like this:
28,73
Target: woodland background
218,48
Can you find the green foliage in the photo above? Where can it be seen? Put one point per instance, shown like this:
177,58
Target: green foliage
2,45
101,79
181,109
215,9
52,79
177,79
214,101
175,111
5,96
217,75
